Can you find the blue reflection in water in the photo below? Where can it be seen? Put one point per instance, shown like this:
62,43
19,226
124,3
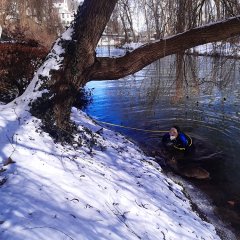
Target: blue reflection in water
206,106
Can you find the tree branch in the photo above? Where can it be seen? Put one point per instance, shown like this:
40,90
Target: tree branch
106,68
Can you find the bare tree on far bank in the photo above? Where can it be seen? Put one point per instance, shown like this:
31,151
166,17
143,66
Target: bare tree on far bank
30,19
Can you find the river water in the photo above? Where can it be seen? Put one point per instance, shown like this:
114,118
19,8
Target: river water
204,101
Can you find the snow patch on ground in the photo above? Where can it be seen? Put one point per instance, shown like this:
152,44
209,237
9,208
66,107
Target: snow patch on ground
108,191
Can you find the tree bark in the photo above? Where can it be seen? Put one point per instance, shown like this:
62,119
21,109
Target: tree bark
106,68
90,22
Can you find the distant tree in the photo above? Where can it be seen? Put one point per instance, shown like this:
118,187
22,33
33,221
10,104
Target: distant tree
126,12
33,18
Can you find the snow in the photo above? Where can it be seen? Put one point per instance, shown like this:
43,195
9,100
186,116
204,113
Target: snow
67,35
112,191
101,187
223,49
132,45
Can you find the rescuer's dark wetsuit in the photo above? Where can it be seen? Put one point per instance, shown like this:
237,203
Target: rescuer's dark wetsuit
181,143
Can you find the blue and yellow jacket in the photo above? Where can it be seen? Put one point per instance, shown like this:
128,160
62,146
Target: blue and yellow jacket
182,142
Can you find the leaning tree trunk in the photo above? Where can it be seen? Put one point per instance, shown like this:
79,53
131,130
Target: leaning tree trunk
80,55
90,23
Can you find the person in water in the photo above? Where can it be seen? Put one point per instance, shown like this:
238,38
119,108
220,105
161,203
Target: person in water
176,140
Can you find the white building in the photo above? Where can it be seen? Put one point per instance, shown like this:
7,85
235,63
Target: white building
67,9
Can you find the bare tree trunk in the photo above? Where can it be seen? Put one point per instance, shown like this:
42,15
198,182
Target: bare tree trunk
147,21
155,8
126,37
91,20
129,19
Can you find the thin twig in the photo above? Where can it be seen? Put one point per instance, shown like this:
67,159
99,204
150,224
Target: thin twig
12,144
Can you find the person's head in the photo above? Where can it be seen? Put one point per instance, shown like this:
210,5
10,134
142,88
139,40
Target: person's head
174,131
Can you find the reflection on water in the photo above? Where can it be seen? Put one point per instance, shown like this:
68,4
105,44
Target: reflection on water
204,101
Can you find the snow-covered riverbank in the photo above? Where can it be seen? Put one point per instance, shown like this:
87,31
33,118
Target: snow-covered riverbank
110,190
